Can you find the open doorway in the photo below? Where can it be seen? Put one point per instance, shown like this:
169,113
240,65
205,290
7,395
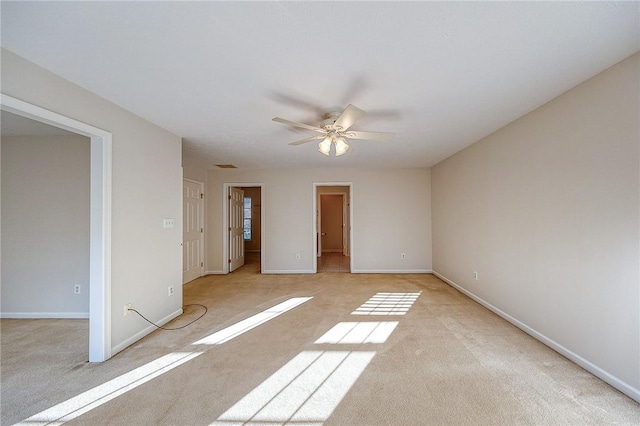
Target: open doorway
252,227
333,227
243,228
99,223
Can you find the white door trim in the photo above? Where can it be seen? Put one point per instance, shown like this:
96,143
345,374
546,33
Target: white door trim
100,219
315,220
225,221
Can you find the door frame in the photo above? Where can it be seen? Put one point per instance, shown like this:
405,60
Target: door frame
99,223
202,216
225,221
315,214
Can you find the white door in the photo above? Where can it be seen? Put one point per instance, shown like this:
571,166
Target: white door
192,230
236,228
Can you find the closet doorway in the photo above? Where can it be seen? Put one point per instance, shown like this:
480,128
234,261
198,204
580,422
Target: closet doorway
333,227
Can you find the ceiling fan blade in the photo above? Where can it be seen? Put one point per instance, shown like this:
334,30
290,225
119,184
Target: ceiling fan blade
372,136
311,139
299,102
348,117
295,124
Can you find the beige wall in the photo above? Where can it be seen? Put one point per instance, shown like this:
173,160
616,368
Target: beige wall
546,210
391,215
146,187
45,226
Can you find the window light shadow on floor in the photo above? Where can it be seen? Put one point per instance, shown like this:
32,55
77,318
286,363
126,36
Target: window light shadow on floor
93,398
87,401
387,304
243,326
345,333
310,386
306,390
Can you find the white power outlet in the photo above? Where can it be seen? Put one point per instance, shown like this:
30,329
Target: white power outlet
403,256
297,256
170,290
76,289
127,308
475,275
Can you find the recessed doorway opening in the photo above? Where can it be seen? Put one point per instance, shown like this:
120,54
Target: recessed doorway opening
332,227
99,221
243,226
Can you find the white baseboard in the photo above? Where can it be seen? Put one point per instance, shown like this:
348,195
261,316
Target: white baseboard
44,315
391,271
214,272
623,387
355,271
131,340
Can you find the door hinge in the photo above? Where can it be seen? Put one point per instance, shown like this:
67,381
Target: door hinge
229,196
201,230
229,229
201,196
229,260
201,264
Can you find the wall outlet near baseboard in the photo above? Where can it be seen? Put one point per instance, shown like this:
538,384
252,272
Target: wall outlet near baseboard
170,290
127,309
475,275
76,289
297,256
403,256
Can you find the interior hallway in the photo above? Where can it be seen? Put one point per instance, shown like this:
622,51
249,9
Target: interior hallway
447,360
333,262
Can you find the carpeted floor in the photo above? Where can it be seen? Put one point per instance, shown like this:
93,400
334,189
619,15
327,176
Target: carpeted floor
364,350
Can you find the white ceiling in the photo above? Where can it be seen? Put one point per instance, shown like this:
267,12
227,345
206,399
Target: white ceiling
441,75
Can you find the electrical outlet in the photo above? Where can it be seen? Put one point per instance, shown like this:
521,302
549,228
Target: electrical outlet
127,308
170,290
297,256
403,256
76,289
475,275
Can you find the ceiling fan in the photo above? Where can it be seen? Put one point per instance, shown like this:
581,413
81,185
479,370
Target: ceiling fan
335,131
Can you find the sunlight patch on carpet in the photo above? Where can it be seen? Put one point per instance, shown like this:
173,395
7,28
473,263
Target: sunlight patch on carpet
388,304
346,333
87,401
306,390
235,330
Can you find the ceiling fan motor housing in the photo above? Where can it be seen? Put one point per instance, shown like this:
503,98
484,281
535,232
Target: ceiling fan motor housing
331,118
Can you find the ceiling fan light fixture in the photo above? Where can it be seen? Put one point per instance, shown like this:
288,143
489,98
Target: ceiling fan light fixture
341,146
325,146
335,131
